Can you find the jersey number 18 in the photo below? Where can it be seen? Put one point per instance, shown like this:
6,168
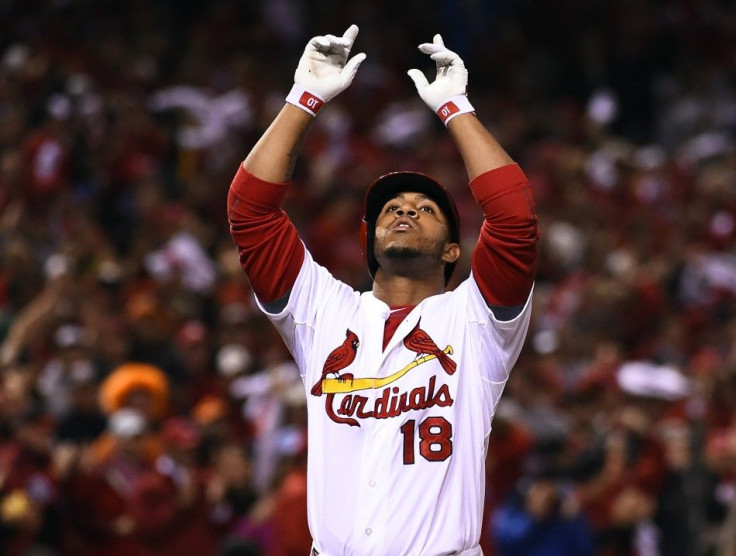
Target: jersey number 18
435,439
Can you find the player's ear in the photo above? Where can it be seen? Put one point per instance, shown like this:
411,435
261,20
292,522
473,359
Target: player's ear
451,253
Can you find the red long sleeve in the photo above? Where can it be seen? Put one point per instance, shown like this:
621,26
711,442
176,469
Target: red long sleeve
270,250
505,256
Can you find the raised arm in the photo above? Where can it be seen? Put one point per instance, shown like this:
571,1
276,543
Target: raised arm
324,71
504,258
268,246
446,95
273,157
481,153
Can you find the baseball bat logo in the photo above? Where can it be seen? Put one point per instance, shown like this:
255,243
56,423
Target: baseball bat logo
393,401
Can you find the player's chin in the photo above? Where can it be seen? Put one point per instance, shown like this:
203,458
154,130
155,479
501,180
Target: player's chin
399,251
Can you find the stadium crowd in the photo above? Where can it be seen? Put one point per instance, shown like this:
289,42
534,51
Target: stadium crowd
146,407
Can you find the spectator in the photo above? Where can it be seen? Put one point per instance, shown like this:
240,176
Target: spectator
542,521
138,386
118,502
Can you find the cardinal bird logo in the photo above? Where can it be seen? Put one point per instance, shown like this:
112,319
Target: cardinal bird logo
419,342
338,359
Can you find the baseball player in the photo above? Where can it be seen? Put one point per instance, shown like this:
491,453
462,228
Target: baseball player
402,381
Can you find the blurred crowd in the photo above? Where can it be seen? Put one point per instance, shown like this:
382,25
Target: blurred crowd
147,407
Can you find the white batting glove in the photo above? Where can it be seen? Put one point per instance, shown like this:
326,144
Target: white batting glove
324,70
446,95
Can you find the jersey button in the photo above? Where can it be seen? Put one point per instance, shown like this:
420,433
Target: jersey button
369,531
371,483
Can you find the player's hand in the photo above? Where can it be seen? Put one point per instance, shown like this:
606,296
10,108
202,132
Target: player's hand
324,69
451,82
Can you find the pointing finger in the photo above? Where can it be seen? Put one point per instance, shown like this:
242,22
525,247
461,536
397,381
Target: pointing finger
351,33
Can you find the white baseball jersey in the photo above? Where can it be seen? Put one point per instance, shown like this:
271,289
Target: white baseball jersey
397,437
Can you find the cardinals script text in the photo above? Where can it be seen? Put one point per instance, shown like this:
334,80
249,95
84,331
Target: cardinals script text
391,403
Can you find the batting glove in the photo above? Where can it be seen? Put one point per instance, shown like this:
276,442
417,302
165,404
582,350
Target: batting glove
324,70
446,95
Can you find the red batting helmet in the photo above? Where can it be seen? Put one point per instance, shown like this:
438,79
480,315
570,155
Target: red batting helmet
388,186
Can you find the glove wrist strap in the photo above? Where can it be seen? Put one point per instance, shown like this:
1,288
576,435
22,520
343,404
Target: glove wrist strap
454,106
306,100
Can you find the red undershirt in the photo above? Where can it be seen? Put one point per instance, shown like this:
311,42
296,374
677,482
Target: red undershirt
398,314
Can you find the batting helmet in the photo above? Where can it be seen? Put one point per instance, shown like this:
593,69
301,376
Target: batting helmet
388,186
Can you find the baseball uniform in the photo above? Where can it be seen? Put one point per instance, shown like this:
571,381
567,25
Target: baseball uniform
398,422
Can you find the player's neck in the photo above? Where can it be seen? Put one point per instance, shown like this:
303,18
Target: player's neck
396,290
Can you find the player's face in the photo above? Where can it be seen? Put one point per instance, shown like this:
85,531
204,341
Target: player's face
413,225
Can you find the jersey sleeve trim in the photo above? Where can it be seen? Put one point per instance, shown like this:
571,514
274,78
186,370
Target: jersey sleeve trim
506,313
286,306
510,324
